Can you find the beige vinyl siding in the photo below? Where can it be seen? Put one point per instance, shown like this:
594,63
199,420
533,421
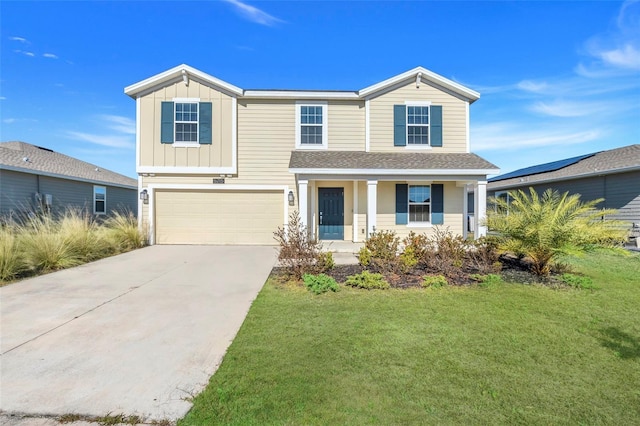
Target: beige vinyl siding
346,123
453,204
154,153
218,217
454,116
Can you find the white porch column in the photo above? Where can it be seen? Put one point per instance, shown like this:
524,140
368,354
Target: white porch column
302,202
480,206
312,216
355,211
465,211
372,203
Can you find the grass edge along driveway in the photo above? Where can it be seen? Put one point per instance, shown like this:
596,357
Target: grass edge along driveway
512,354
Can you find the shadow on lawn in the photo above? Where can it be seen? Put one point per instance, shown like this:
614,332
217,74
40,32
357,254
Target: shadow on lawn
623,344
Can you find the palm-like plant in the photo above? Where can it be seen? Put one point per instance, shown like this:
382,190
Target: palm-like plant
548,226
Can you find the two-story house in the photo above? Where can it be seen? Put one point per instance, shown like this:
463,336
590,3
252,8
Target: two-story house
218,164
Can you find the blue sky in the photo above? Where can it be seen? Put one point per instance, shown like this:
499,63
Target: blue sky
557,79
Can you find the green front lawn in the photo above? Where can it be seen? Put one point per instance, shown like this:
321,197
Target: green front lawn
508,354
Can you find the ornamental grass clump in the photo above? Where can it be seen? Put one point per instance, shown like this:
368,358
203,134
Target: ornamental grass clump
543,228
124,233
12,262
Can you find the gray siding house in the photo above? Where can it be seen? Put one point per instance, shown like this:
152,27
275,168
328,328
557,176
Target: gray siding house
613,175
34,179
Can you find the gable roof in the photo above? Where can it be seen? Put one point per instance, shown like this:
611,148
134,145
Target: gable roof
419,74
26,158
598,163
419,163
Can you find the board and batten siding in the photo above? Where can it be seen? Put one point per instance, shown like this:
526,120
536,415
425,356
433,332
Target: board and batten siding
155,153
454,117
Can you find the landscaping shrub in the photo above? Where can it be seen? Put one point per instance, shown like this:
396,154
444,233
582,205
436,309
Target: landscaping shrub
418,245
381,252
367,280
543,228
325,261
298,254
434,281
319,284
482,256
123,231
12,262
578,281
446,254
408,259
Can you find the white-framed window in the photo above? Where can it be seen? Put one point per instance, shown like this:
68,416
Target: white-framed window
418,125
419,204
99,199
311,125
186,122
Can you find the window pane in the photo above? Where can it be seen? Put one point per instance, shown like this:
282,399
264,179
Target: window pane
311,135
419,194
418,135
419,213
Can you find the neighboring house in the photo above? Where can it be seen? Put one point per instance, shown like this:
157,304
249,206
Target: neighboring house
35,179
224,165
613,175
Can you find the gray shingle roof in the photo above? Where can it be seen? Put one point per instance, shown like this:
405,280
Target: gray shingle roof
33,159
600,163
388,160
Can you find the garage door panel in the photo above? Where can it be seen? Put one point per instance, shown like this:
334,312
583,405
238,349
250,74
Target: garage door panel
218,217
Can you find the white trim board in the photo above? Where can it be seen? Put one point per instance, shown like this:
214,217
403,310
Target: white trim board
391,172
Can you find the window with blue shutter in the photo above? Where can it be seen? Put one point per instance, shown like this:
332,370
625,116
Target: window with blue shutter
417,125
437,201
166,131
402,208
399,125
205,126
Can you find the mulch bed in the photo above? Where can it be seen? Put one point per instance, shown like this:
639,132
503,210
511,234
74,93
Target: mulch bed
513,270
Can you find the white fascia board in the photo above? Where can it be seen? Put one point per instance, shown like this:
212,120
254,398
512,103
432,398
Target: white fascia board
66,177
391,172
299,94
175,72
217,186
472,95
186,170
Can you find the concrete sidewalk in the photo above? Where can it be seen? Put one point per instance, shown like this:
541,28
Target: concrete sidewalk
137,334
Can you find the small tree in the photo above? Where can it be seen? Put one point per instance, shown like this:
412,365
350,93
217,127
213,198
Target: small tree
548,226
298,253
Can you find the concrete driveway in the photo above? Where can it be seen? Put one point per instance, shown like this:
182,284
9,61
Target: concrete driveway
137,334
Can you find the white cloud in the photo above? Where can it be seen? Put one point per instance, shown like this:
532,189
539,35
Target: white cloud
9,120
560,108
510,137
626,56
20,39
112,141
119,124
3,98
50,55
24,52
254,14
532,86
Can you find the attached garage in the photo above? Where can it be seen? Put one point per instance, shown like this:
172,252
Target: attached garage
204,216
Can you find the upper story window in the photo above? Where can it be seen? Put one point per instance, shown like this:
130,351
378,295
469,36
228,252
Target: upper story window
417,125
186,122
99,199
311,125
419,204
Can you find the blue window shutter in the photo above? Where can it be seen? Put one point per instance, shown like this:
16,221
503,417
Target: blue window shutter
437,204
399,125
204,125
166,130
402,203
436,125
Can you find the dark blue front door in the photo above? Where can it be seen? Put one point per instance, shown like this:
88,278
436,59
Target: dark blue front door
331,209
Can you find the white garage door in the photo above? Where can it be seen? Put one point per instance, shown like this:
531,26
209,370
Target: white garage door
217,217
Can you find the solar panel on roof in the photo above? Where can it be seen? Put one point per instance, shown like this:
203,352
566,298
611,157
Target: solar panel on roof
542,168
